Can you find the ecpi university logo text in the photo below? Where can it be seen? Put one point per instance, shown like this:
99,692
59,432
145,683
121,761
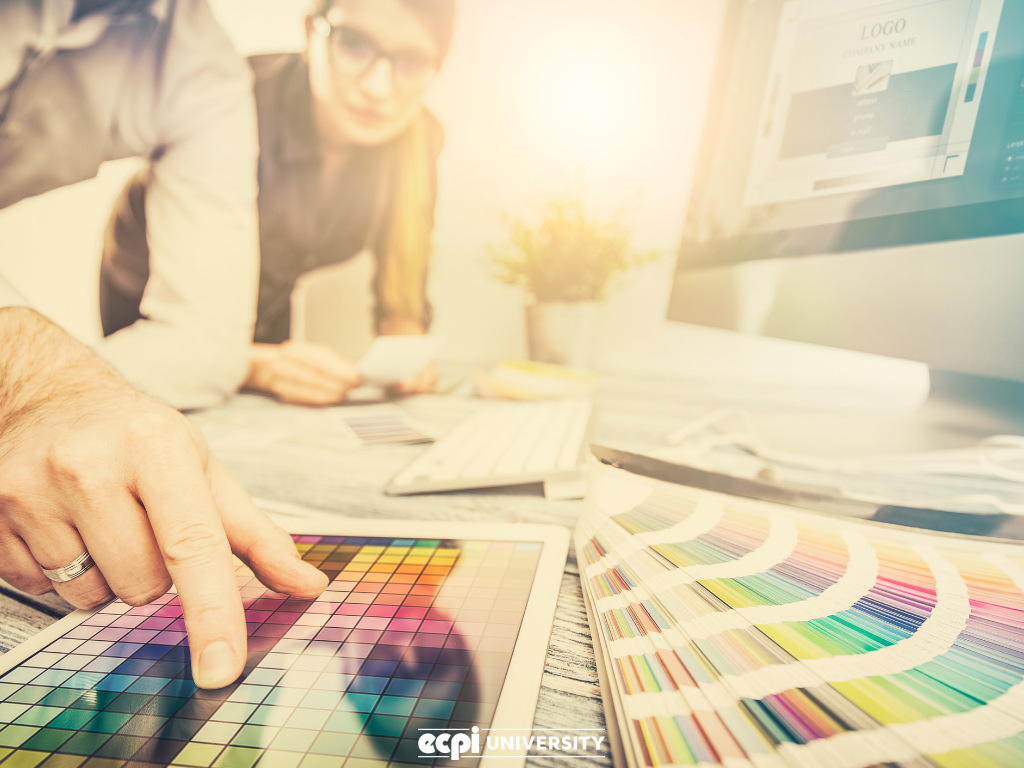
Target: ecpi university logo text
458,743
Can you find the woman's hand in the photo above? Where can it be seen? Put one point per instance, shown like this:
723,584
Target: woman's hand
424,380
301,372
421,382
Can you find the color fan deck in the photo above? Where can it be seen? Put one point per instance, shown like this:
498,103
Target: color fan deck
738,632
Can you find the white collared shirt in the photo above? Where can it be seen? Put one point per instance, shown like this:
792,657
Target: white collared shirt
161,82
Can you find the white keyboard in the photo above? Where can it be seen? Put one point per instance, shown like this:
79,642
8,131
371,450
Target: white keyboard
506,444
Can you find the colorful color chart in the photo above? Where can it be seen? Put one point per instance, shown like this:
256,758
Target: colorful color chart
744,633
410,634
382,424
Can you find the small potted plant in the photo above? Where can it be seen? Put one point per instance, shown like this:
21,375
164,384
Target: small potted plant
566,264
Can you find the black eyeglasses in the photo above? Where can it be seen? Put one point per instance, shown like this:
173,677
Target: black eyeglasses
354,53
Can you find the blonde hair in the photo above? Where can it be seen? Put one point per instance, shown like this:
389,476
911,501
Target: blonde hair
404,224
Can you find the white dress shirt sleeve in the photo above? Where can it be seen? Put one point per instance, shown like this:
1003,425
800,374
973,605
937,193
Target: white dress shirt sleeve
199,305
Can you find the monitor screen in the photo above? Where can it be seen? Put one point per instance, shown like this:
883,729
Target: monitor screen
839,125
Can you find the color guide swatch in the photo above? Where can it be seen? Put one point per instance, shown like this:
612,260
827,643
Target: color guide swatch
739,632
410,634
381,424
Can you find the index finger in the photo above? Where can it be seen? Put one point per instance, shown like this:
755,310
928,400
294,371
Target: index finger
173,488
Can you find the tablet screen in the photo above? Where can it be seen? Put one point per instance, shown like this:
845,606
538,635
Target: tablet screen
411,634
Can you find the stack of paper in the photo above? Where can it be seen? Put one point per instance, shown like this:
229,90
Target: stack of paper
737,632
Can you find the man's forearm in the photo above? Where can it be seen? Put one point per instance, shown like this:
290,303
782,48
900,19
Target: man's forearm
34,356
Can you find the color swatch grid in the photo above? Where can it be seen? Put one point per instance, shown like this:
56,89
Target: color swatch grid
381,425
410,634
742,633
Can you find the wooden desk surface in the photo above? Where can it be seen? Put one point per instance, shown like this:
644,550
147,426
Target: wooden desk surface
291,458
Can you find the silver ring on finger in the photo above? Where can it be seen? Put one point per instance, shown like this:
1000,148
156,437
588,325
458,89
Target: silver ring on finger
72,570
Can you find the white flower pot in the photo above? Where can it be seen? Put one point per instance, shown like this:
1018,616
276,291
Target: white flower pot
564,332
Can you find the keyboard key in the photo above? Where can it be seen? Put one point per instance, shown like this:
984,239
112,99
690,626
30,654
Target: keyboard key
502,444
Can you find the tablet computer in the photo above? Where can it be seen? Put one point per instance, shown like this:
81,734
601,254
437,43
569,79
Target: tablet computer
429,637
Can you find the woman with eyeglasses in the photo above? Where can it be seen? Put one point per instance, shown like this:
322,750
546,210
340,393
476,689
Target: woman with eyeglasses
348,161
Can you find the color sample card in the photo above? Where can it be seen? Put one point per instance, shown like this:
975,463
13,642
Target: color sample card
390,359
741,632
381,425
411,634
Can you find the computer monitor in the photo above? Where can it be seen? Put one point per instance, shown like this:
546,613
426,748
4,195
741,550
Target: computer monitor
891,130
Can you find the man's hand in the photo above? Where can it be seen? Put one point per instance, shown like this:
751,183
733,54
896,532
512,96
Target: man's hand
302,373
87,463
